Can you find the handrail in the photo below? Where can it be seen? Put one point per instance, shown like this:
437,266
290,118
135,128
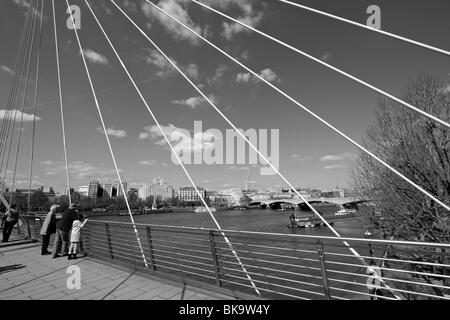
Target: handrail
378,241
281,265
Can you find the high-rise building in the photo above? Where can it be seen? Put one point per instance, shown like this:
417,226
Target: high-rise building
93,189
144,191
83,191
96,189
161,190
119,189
189,194
106,190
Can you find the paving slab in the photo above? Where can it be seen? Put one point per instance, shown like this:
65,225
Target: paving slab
27,275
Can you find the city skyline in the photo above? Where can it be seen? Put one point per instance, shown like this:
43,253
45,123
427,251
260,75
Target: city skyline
310,154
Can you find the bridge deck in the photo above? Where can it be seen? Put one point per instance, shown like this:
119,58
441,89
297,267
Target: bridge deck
26,275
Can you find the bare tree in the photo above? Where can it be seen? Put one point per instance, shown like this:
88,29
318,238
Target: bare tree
419,148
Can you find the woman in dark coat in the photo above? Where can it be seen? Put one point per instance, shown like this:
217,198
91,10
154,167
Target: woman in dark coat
48,228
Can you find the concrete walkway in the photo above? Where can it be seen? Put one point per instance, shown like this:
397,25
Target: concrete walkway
26,275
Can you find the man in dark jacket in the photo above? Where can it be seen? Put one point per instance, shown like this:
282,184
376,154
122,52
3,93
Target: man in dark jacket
63,227
11,218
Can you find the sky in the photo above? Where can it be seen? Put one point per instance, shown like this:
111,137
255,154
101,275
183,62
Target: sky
310,154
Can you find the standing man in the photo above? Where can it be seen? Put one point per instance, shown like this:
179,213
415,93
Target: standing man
12,216
48,228
63,227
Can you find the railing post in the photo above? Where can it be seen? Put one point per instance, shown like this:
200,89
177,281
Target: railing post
150,245
108,237
321,254
86,239
215,258
28,226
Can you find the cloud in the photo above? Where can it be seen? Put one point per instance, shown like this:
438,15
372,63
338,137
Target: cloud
4,114
102,6
243,77
79,170
47,162
192,70
23,183
156,59
165,68
178,10
7,70
147,162
339,157
113,132
245,54
335,166
233,28
26,4
95,57
298,158
194,102
22,3
326,56
236,168
446,88
218,74
130,6
144,135
181,139
267,74
248,14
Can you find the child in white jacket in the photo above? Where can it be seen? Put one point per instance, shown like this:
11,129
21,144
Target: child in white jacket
77,225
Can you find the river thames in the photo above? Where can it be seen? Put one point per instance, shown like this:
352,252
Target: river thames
271,221
261,220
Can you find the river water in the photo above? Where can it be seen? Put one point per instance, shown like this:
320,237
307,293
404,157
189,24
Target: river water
271,221
262,220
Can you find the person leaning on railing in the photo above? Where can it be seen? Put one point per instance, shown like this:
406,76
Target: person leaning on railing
48,228
63,227
11,218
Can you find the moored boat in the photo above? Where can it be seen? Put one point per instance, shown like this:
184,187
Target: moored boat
204,209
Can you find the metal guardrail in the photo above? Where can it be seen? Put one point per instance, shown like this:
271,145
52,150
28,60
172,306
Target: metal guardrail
282,266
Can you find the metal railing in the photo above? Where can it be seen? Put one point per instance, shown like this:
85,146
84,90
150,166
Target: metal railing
282,266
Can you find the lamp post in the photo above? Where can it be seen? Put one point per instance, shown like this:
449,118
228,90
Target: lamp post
368,235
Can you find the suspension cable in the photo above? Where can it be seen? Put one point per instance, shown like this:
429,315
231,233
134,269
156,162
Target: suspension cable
354,252
13,81
24,81
172,148
327,65
106,134
24,98
242,135
61,104
16,86
38,59
359,146
389,34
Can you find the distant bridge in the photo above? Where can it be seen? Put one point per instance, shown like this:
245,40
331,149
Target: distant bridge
340,201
